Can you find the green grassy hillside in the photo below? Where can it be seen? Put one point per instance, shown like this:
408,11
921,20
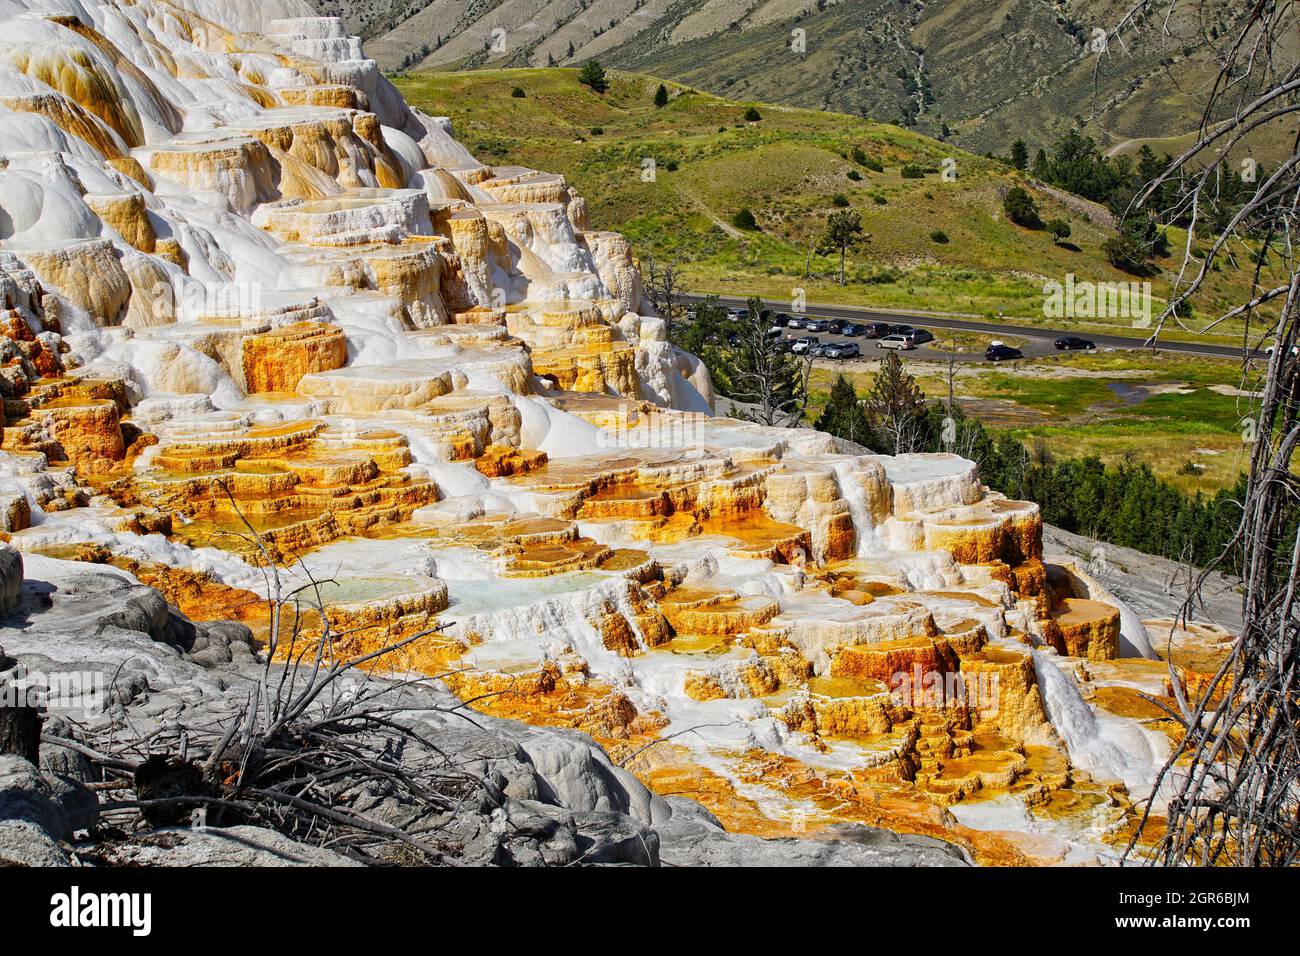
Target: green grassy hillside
791,169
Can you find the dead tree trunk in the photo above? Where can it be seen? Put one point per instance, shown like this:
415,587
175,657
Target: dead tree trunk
20,732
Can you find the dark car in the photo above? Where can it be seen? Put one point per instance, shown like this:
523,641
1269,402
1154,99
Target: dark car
876,330
997,352
853,330
920,336
817,325
842,350
900,329
780,320
1071,342
836,326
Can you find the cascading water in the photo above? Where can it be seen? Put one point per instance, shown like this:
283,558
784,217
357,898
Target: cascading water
1108,748
864,525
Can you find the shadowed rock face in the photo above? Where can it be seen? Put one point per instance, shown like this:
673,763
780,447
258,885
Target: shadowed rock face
256,308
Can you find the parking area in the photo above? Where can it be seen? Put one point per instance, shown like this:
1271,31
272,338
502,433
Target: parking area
972,333
834,339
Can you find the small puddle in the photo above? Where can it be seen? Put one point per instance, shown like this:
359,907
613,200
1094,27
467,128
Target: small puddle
1130,393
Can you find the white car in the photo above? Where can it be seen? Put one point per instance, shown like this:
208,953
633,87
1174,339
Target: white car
900,342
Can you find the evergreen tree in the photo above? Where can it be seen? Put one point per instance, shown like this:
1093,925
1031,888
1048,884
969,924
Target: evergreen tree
1019,154
762,374
843,229
661,96
592,74
1041,168
896,409
843,415
1021,208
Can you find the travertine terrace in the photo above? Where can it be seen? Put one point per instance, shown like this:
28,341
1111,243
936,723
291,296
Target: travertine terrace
243,281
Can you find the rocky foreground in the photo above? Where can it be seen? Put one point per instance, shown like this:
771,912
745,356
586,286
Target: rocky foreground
291,380
545,796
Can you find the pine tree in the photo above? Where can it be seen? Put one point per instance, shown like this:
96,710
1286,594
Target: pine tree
661,96
1021,208
1019,154
592,74
843,230
896,409
1042,168
843,415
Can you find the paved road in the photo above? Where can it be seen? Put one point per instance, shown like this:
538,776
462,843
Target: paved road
1040,340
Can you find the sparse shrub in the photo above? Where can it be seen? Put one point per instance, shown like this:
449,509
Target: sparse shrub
744,219
518,93
873,164
1059,228
939,236
854,175
671,165
597,131
912,171
840,200
878,199
752,115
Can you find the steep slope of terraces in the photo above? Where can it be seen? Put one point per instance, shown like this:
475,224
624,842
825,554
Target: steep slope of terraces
244,285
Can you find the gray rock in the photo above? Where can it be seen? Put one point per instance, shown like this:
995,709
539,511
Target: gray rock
692,845
11,578
578,775
26,796
228,846
1153,587
220,642
25,844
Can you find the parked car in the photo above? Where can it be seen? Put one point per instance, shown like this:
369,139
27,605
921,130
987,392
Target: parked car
819,350
899,329
802,345
853,329
842,350
1070,342
735,315
796,322
997,352
836,326
901,342
780,320
817,325
876,330
919,336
